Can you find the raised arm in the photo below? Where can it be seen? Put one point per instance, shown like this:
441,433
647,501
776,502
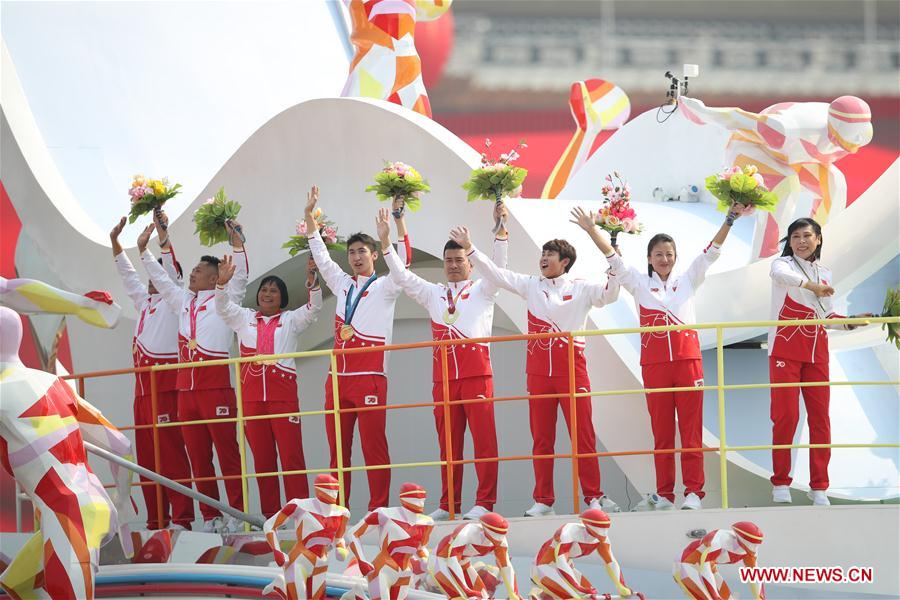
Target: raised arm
414,286
608,292
696,272
734,119
172,293
307,314
161,222
232,313
237,287
404,247
134,287
332,273
783,275
503,278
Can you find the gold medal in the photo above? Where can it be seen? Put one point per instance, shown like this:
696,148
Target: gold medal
346,332
192,345
450,317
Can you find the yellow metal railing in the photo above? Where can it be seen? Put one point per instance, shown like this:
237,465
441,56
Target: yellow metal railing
450,461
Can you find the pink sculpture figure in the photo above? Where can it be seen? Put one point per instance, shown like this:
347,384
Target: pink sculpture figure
451,565
795,146
386,65
319,524
28,296
554,574
403,533
43,425
596,105
696,571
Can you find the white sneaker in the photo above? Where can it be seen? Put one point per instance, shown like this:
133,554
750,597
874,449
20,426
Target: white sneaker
476,513
604,502
781,494
214,525
440,515
818,498
653,502
691,502
539,510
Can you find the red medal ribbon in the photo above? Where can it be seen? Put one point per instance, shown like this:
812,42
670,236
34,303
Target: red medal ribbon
451,301
194,310
265,334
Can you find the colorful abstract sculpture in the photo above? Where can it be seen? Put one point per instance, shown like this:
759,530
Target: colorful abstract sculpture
795,146
596,105
696,572
554,574
386,65
28,296
451,565
43,427
403,532
319,524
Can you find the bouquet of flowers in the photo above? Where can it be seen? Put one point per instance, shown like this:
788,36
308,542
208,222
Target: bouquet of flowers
495,179
300,242
398,180
211,216
149,195
617,216
892,309
741,186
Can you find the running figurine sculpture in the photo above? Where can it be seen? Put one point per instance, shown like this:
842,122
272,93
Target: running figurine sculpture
402,532
696,571
319,524
554,574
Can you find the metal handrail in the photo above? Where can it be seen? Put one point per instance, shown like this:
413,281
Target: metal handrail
721,387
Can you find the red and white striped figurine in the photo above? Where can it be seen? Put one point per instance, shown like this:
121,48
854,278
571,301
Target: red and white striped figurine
696,572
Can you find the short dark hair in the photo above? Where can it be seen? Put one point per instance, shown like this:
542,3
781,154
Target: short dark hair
363,238
452,245
564,249
210,260
800,224
659,238
279,283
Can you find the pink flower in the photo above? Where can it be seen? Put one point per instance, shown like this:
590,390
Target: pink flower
605,190
330,234
627,225
613,221
630,214
759,179
301,227
210,201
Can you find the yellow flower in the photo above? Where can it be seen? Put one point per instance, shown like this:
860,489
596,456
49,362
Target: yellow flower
158,187
317,214
138,181
751,170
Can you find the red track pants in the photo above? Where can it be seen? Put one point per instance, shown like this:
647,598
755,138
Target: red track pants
173,460
272,440
480,417
359,391
663,407
197,405
542,414
785,413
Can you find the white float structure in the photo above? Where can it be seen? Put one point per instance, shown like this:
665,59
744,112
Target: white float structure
339,143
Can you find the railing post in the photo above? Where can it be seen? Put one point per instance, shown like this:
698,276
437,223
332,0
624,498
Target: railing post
81,387
448,436
242,449
157,461
720,385
339,451
573,423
